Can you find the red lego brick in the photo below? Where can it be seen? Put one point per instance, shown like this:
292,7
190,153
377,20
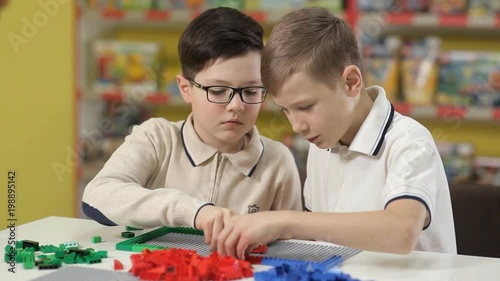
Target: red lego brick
117,265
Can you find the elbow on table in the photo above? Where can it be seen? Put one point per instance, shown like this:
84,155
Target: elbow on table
407,239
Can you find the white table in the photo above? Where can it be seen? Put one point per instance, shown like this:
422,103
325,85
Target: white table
365,266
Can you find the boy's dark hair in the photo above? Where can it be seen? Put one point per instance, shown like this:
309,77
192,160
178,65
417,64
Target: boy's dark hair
217,33
310,39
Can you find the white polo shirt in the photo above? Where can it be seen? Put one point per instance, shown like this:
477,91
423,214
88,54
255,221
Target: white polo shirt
391,157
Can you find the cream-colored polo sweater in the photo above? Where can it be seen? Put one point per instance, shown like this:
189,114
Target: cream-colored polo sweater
163,173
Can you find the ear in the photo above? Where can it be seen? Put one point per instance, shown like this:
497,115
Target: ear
353,79
184,88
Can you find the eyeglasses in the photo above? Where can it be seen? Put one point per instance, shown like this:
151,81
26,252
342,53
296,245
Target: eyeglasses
224,94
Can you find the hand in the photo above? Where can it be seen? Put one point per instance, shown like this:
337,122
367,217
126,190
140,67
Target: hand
243,233
211,220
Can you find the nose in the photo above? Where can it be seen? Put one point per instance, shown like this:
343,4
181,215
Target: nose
236,103
298,125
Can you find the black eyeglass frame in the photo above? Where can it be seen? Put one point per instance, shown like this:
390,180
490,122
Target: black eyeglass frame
235,91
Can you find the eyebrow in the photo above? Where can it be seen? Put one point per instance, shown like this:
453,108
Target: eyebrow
224,82
295,104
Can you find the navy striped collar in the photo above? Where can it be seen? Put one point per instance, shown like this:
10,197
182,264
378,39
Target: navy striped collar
370,137
199,152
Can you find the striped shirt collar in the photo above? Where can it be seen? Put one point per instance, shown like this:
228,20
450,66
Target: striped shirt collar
199,152
371,134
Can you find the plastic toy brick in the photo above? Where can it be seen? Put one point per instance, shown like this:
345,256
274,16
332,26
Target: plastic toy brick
261,249
130,228
179,264
117,265
128,234
31,244
48,248
102,254
300,272
79,252
67,245
29,262
96,239
142,239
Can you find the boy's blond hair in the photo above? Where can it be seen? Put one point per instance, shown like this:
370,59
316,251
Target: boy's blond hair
310,39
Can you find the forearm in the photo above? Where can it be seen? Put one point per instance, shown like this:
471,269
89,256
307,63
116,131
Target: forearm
130,204
380,231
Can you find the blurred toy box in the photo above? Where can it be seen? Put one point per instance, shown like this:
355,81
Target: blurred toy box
458,161
381,64
332,5
237,4
487,170
375,5
483,7
449,6
130,5
145,5
469,78
412,6
128,67
419,70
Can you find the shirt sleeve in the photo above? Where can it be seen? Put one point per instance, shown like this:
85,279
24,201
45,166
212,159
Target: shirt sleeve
118,196
412,168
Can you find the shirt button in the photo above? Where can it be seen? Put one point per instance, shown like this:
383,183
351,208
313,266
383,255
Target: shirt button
343,148
344,186
346,158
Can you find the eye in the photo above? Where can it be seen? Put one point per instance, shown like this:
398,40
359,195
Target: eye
217,91
306,107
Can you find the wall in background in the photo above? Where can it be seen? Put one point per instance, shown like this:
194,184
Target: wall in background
38,108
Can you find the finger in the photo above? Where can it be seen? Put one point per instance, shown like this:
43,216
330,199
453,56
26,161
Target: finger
231,242
207,231
221,240
242,248
216,229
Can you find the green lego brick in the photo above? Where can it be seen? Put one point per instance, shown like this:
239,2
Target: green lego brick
19,244
48,249
29,261
92,259
51,264
102,254
130,228
128,234
31,244
142,240
96,239
67,245
69,258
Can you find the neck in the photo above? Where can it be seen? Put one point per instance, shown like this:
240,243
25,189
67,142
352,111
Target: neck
363,108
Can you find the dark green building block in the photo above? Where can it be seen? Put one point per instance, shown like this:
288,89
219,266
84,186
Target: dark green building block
128,234
142,240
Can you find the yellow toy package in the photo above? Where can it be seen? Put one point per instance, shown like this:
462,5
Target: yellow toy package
419,70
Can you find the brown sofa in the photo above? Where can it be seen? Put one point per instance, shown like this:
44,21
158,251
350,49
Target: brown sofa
476,212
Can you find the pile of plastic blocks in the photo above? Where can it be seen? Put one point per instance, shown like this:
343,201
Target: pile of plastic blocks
294,272
187,265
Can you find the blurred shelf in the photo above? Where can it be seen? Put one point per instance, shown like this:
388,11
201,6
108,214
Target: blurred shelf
435,20
112,96
472,113
173,17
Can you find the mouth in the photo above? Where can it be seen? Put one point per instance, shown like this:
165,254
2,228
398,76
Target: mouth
232,122
312,140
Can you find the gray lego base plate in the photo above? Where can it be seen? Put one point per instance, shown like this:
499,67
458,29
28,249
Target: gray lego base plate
279,249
